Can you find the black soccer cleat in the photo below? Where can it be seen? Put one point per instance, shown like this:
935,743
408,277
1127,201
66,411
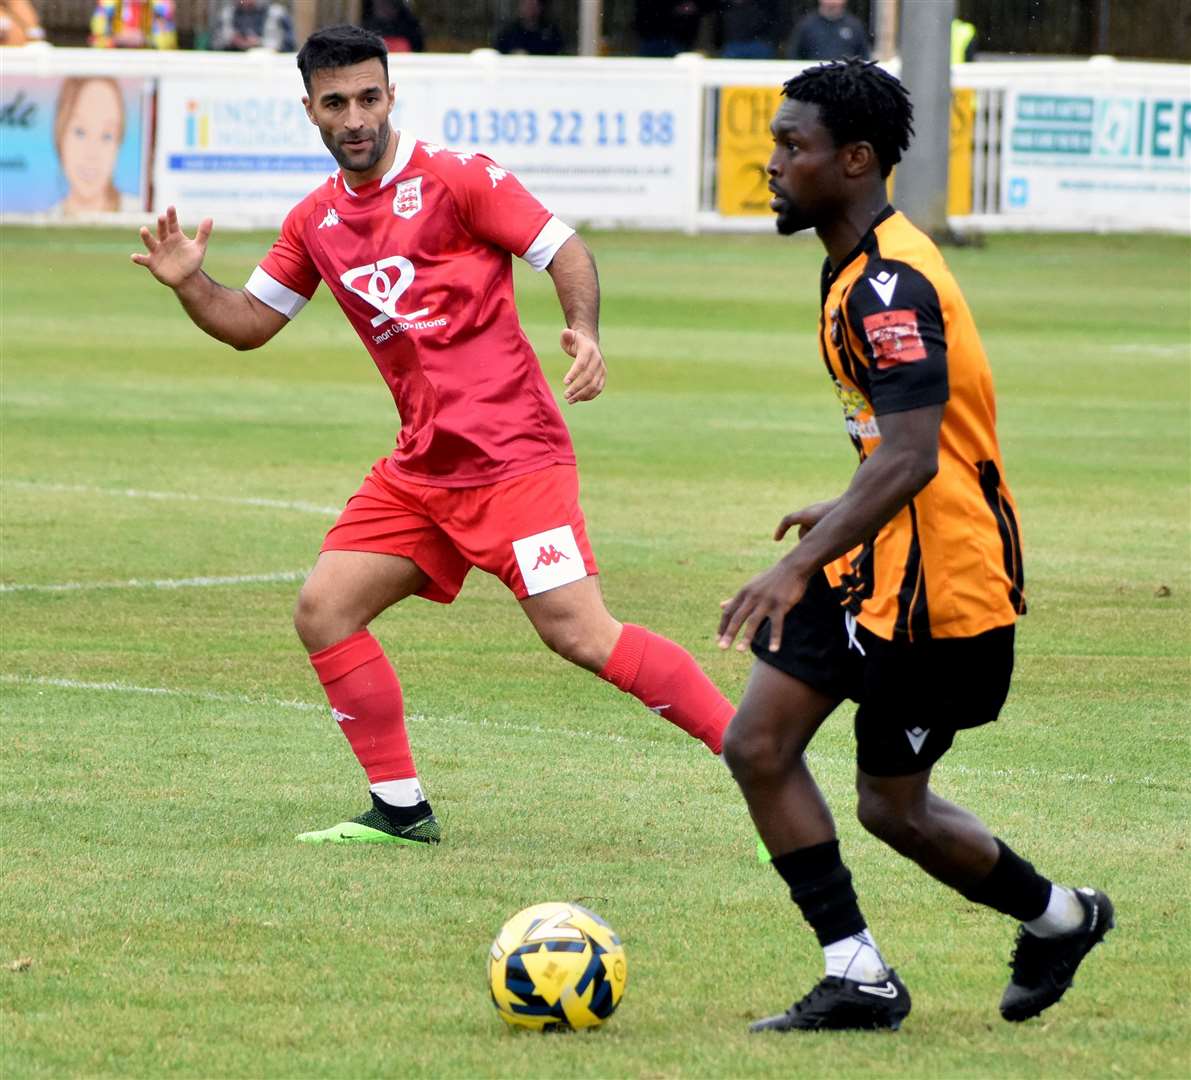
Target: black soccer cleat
1043,968
845,1005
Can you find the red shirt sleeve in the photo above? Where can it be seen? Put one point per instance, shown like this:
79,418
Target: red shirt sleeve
288,262
493,203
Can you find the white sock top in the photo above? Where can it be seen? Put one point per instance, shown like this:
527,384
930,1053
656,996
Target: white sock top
856,957
399,792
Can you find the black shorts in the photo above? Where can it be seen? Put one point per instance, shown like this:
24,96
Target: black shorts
913,698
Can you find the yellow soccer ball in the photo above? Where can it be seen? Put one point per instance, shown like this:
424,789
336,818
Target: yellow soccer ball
555,966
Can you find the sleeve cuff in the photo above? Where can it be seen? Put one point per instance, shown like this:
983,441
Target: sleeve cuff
268,290
554,234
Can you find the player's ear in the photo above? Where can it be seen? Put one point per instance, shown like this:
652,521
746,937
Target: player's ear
859,157
392,95
309,112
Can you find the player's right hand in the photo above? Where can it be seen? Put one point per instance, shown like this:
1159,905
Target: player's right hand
173,257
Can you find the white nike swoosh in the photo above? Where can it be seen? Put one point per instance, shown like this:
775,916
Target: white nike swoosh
886,991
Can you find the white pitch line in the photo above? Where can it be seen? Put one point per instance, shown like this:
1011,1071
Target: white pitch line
160,583
301,706
179,496
1026,774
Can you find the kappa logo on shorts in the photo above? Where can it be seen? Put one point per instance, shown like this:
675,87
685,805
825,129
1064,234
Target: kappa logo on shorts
917,737
549,559
549,556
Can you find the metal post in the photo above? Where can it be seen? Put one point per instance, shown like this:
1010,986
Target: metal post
885,29
589,27
1103,40
920,186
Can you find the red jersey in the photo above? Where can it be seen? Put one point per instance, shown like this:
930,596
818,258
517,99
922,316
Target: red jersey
420,261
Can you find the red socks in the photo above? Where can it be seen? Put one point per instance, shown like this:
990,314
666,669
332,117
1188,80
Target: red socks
365,698
664,677
365,695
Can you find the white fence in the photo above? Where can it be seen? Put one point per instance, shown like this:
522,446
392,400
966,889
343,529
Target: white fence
1059,145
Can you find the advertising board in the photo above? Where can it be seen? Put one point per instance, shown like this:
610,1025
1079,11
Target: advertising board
247,148
73,146
1083,157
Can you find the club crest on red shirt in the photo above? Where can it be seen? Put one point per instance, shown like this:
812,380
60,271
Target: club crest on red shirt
894,337
407,198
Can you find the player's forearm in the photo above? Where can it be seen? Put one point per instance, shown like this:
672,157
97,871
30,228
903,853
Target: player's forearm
226,314
882,486
577,283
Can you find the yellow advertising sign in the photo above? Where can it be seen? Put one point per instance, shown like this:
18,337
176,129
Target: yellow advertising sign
743,150
959,170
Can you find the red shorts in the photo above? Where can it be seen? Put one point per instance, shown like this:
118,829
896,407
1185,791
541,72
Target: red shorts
528,531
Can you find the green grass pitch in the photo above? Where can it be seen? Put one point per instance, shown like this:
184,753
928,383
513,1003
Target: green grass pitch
164,739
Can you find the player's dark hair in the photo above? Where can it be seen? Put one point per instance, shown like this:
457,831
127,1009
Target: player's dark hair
341,46
858,102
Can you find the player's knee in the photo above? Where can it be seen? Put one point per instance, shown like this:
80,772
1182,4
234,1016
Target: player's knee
316,619
753,751
899,825
568,640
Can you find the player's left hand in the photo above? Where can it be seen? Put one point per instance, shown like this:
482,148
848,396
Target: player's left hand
768,596
587,374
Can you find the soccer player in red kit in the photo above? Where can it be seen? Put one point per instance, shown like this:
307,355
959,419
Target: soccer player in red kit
415,242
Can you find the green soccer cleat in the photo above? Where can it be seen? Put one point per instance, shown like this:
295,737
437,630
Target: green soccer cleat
372,827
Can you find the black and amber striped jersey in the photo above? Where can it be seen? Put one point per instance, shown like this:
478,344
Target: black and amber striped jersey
896,334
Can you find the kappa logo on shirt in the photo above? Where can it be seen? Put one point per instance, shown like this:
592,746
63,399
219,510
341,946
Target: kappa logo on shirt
407,198
496,174
894,337
332,218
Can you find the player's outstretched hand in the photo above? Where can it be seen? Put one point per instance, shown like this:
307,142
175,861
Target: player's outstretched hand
768,596
806,518
173,256
586,377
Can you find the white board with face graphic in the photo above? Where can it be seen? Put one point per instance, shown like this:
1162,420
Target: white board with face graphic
73,147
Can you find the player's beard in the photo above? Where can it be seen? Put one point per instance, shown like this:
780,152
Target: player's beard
380,143
790,219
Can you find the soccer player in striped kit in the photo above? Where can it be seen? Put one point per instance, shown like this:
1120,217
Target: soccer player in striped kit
902,593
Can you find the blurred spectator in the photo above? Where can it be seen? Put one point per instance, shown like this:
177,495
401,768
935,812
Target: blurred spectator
19,24
831,33
252,24
396,22
133,24
532,31
750,29
963,42
668,27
